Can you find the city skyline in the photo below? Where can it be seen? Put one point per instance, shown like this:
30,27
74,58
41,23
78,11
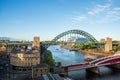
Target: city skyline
23,19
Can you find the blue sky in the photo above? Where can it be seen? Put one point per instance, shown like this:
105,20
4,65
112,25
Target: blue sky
23,19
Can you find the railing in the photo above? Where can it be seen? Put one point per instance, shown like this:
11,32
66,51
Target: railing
111,58
100,59
116,60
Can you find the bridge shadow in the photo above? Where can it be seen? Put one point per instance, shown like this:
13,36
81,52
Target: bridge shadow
105,74
90,75
114,70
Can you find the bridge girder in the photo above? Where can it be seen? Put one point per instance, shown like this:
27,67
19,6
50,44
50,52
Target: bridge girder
79,32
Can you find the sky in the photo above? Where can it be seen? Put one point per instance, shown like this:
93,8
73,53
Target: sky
24,19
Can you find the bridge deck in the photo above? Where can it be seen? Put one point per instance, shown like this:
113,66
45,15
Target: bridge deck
110,60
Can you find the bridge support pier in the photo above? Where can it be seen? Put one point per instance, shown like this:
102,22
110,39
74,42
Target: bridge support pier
93,70
66,71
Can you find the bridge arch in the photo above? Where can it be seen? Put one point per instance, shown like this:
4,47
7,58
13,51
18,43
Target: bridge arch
91,39
80,32
109,60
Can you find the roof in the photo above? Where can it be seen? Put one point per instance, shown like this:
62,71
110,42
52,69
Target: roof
24,51
40,65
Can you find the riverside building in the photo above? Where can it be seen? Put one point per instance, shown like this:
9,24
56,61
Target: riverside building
22,58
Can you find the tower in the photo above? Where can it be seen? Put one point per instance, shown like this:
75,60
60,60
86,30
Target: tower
36,42
102,41
108,44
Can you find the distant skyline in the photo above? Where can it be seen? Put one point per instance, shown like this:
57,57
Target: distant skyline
24,19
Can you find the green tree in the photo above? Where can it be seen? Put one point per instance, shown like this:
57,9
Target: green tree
48,59
115,48
82,46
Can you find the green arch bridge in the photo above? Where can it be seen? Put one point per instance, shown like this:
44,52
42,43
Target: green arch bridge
64,36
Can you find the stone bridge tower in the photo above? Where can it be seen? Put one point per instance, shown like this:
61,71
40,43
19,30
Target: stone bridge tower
108,43
36,42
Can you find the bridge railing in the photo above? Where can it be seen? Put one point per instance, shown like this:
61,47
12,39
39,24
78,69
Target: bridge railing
111,58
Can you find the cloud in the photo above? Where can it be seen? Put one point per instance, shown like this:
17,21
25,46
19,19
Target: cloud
111,16
79,18
116,9
99,8
99,14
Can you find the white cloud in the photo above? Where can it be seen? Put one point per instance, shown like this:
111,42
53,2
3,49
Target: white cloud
99,8
79,18
111,16
100,14
116,9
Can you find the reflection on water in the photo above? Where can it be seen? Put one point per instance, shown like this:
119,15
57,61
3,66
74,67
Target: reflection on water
65,56
71,57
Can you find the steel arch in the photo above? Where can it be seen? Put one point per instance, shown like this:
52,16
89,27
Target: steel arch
80,32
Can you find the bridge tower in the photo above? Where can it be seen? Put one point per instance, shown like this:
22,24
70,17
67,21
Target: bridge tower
108,43
36,42
102,41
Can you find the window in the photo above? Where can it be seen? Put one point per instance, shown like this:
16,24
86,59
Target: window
41,70
36,70
35,74
25,64
45,70
28,64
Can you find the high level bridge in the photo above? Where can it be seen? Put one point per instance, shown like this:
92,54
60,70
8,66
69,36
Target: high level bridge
70,37
63,38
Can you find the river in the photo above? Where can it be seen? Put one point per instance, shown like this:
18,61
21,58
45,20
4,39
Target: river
72,57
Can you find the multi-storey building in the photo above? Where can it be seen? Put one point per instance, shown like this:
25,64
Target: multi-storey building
39,70
24,57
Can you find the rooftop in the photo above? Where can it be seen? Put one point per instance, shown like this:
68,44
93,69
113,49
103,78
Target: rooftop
40,65
25,50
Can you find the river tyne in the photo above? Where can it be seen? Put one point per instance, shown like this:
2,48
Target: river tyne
71,57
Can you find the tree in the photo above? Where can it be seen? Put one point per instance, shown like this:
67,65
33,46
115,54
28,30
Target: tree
48,59
115,48
82,46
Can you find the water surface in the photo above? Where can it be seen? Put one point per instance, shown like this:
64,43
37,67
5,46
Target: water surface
72,57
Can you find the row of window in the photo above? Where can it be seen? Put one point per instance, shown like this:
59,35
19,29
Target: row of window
41,70
24,63
25,58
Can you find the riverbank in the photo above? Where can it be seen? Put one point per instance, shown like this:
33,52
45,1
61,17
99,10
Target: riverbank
93,52
97,53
